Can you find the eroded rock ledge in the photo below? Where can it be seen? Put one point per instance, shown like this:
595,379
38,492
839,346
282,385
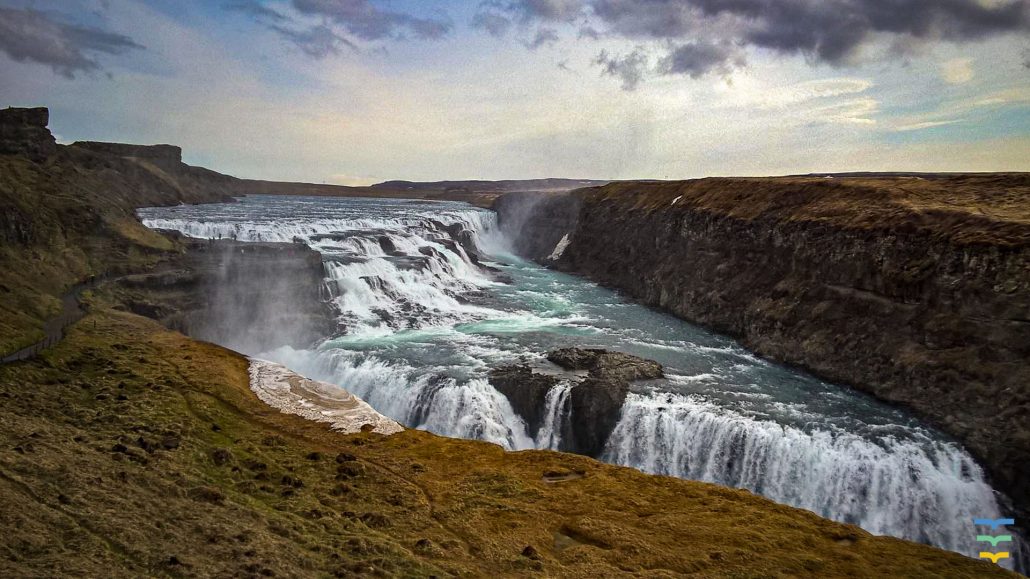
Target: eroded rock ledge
595,400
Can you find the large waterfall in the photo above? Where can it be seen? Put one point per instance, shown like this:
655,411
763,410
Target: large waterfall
430,298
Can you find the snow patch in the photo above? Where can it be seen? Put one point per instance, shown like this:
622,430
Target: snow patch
279,387
676,200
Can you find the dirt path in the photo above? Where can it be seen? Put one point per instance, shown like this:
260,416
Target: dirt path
71,312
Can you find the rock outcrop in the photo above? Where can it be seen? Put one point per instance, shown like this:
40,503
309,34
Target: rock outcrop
526,390
168,155
915,290
251,297
595,401
23,131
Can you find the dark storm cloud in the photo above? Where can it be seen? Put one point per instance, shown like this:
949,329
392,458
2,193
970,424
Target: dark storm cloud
629,68
705,34
827,29
364,20
28,35
552,10
832,30
699,58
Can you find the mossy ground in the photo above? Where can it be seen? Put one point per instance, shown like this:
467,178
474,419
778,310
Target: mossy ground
131,450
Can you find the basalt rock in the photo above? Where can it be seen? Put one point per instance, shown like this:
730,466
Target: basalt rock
595,402
159,154
604,364
525,390
251,297
23,131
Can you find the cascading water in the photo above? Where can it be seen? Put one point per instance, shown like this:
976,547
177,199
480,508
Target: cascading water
556,411
430,299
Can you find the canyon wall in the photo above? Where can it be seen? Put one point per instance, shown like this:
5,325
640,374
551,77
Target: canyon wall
914,290
169,154
250,297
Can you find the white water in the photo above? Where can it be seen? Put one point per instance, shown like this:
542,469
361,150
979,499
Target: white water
889,487
556,412
421,324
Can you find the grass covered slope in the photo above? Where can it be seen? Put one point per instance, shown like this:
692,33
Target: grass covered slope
72,216
131,450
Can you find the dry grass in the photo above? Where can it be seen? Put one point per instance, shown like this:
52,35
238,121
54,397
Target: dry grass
131,450
988,208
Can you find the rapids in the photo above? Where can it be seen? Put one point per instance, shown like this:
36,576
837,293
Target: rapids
430,298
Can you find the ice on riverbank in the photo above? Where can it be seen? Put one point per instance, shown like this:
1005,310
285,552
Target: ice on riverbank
281,388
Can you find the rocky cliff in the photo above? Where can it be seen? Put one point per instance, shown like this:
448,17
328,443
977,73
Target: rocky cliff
24,132
251,297
169,154
595,400
915,290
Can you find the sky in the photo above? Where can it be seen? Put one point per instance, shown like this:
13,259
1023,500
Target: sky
359,91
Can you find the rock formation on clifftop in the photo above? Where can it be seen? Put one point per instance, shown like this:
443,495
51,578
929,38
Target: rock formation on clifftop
24,132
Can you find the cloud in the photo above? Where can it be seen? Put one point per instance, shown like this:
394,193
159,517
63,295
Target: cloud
364,20
925,125
318,41
702,36
29,35
629,69
543,36
699,58
255,9
957,70
496,24
550,10
352,180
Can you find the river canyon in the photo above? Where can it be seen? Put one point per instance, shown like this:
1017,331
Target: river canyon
429,297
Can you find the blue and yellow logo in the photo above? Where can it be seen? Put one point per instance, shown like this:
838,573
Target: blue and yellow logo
995,539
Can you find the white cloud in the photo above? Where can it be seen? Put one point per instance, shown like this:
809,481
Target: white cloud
925,125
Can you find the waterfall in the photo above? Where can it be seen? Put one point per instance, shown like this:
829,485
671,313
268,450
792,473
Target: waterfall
556,411
918,489
441,404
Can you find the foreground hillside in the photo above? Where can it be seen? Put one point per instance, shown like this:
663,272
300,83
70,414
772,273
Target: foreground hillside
916,290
